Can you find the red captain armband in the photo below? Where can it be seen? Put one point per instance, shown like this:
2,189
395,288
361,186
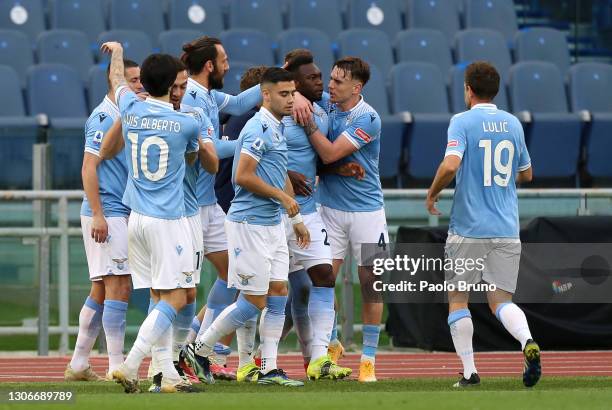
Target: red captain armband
362,135
452,143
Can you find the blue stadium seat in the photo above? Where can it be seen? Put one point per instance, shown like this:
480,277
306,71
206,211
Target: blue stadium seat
324,15
202,15
434,14
136,44
83,15
420,89
590,87
171,42
17,135
15,51
375,91
67,145
143,15
46,82
554,135
263,15
542,44
482,44
231,81
97,85
314,40
11,104
381,15
424,45
251,46
68,47
391,145
371,45
457,75
496,15
26,16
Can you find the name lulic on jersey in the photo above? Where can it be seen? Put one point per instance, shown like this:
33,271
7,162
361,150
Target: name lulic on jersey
495,126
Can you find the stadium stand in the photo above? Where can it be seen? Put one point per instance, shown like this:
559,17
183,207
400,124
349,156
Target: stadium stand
136,44
542,44
16,52
323,15
143,15
381,15
375,92
314,40
263,15
97,85
247,45
82,15
482,44
172,41
26,16
457,99
424,45
392,142
231,82
496,15
371,45
554,134
68,47
201,15
439,15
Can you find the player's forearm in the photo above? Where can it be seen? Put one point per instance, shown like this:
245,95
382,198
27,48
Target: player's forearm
113,142
243,102
324,147
288,188
116,75
443,178
89,174
225,149
208,157
254,184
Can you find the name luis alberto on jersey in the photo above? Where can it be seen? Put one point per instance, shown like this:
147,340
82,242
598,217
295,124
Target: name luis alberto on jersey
133,121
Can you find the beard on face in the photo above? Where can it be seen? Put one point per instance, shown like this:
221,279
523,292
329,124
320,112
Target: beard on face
215,81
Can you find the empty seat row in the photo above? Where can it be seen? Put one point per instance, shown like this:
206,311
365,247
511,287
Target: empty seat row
270,16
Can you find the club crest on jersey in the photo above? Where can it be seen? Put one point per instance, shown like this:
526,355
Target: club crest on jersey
97,138
188,276
179,249
120,263
193,94
102,117
452,143
244,279
362,135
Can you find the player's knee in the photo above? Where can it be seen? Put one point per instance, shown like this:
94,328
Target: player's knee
278,288
118,287
322,276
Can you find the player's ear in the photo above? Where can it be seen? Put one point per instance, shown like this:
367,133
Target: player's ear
209,66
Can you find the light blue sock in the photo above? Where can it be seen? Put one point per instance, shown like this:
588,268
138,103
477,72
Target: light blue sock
181,327
334,332
195,324
219,297
113,320
270,330
90,323
370,342
321,313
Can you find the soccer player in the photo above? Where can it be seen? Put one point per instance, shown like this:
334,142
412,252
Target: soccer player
104,223
486,152
353,210
259,258
157,140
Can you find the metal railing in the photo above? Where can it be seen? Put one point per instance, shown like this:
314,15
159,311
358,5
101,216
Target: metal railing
43,199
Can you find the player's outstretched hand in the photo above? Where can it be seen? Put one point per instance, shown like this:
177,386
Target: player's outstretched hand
352,169
430,202
99,229
302,109
290,205
111,46
301,184
302,235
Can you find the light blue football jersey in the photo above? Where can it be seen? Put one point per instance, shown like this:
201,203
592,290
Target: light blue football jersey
192,171
262,138
112,173
492,146
156,140
302,156
212,102
361,125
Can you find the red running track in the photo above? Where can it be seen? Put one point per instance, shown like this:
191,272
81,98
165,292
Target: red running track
388,365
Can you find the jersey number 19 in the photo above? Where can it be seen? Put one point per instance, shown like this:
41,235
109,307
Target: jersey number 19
504,170
144,162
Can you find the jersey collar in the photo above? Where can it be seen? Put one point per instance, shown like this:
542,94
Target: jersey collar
359,104
268,116
485,106
194,83
113,106
162,104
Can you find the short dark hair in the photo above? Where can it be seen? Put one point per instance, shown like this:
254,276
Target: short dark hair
275,75
198,52
483,79
294,64
158,73
252,77
356,67
296,52
180,66
126,64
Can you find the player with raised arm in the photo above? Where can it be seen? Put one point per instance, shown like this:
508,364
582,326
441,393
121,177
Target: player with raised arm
353,210
104,220
157,140
259,258
486,152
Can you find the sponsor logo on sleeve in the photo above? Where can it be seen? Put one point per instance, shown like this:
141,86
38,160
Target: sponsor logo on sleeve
452,143
97,138
362,135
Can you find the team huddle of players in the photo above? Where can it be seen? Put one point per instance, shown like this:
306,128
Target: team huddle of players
307,191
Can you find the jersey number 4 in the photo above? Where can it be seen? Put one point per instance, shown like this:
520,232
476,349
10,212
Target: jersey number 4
504,170
144,162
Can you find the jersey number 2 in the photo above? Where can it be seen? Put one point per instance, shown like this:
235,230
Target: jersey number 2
144,148
504,171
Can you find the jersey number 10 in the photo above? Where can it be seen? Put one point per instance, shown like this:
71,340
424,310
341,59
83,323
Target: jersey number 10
504,171
144,162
